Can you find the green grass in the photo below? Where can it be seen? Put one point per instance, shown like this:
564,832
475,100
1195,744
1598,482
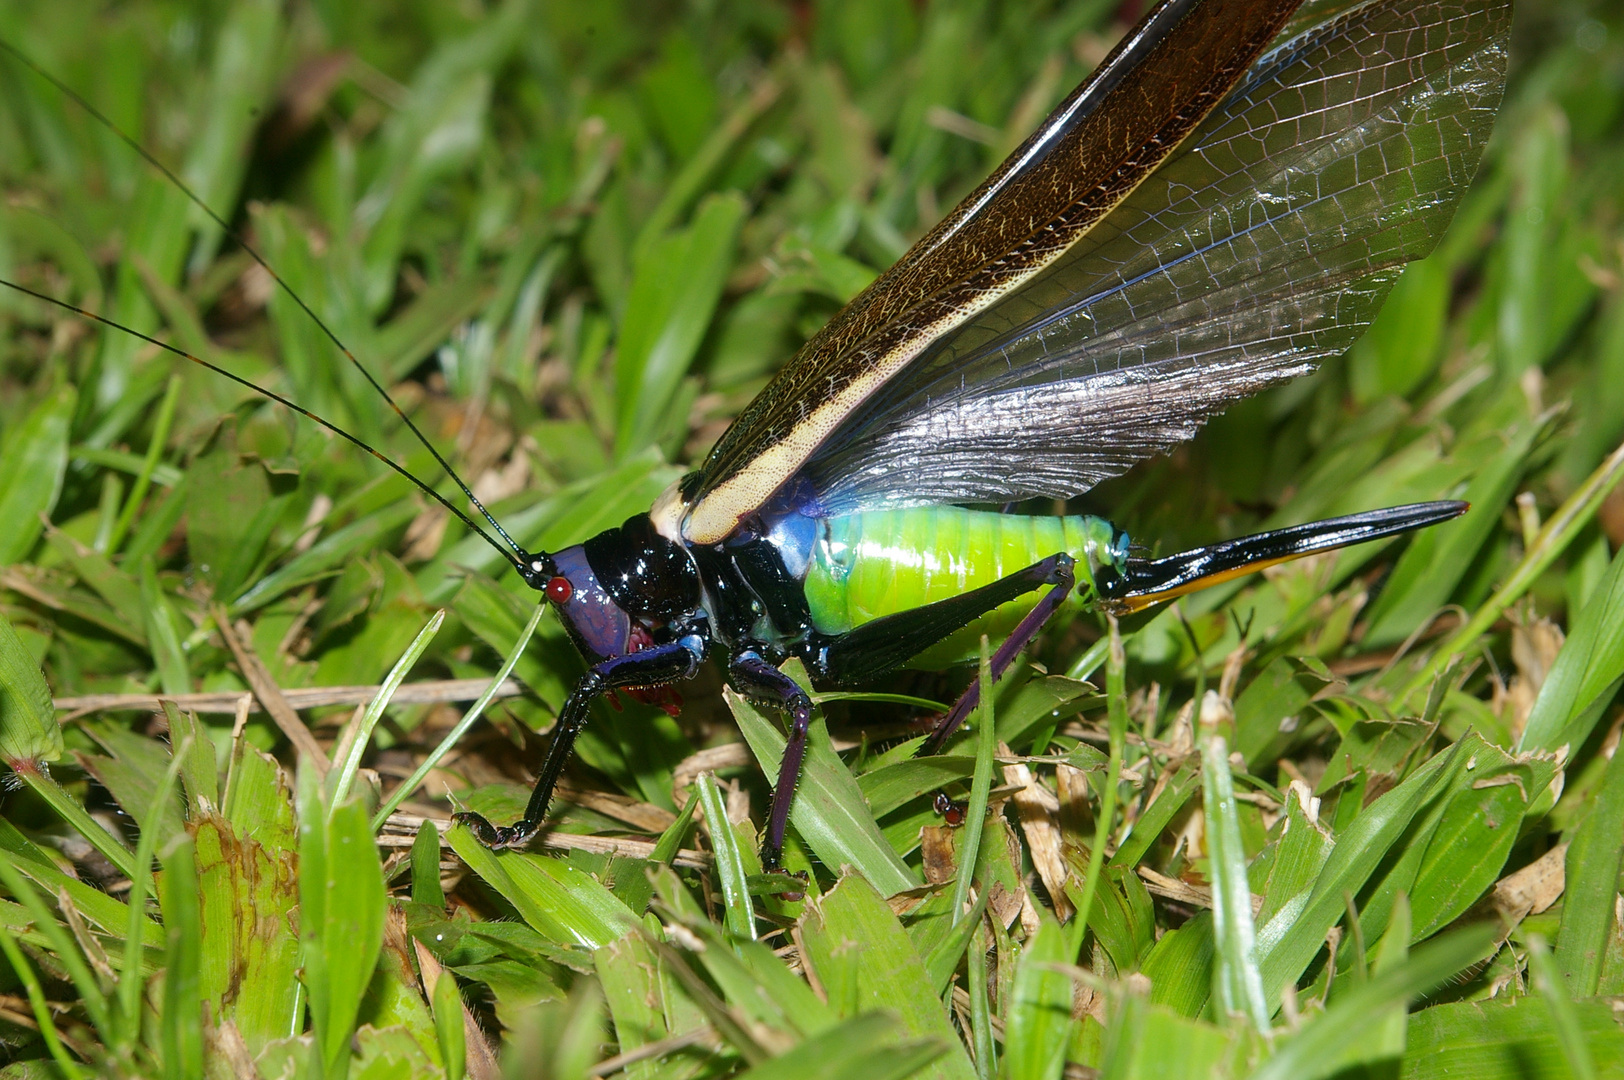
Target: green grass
575,239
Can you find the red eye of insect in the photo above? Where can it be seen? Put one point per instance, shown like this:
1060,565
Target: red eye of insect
559,590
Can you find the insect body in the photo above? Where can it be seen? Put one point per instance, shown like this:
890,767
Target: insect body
1206,216
1224,203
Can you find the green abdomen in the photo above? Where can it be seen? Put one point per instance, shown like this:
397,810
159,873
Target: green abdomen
868,565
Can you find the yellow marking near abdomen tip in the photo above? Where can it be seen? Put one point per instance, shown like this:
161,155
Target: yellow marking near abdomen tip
1128,605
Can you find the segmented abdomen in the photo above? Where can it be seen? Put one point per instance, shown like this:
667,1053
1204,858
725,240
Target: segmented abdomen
877,563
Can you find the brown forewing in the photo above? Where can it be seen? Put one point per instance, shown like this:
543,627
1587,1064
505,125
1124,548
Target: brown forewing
1108,135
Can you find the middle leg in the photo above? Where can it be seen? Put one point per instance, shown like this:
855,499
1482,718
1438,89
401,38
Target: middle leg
756,678
887,643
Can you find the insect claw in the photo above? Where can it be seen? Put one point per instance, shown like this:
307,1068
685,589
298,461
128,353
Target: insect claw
496,837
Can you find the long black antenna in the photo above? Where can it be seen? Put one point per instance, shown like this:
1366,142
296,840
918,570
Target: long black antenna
280,400
73,95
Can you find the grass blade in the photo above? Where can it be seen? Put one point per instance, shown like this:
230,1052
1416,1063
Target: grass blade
1116,695
342,777
829,812
1586,673
45,922
29,733
729,861
1038,1021
469,718
1315,1051
33,460
1237,983
1552,990
1594,859
426,867
1553,539
448,1025
181,1019
980,785
149,463
130,982
341,915
42,1008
